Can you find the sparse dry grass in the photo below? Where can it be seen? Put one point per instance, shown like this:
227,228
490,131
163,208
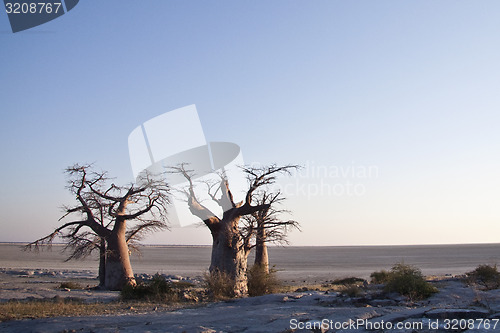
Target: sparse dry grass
219,285
352,290
261,282
47,308
69,285
14,310
339,285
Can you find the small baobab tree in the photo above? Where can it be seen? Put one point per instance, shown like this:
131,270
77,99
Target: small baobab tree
229,255
100,219
266,226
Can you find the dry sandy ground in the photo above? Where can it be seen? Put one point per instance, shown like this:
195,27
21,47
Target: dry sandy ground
456,304
39,284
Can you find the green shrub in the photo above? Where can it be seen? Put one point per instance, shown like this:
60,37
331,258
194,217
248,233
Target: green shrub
158,289
220,285
486,276
409,281
380,277
261,282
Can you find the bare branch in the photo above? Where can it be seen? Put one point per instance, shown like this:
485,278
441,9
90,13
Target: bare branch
272,228
47,240
259,177
196,208
140,230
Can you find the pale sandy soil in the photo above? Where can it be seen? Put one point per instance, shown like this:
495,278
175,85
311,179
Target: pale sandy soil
272,313
39,284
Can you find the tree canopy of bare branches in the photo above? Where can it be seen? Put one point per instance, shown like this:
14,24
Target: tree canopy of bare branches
266,226
228,247
99,218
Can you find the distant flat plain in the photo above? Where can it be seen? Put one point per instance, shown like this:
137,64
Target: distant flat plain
294,264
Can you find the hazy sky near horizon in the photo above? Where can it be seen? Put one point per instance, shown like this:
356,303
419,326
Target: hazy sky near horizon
392,107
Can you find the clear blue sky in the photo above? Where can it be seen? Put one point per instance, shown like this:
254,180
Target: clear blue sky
410,88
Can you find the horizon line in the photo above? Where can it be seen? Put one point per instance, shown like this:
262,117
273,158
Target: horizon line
278,246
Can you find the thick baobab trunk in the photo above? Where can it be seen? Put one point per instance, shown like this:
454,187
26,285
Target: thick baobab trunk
261,255
229,256
118,269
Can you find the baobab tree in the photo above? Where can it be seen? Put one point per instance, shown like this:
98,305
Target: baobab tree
266,226
101,215
228,248
86,242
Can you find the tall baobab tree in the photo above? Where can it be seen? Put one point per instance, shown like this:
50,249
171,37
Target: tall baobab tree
228,247
101,215
266,226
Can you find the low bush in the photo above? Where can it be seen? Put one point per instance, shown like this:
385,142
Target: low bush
158,289
347,281
260,282
408,281
351,290
486,276
380,277
219,285
182,285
